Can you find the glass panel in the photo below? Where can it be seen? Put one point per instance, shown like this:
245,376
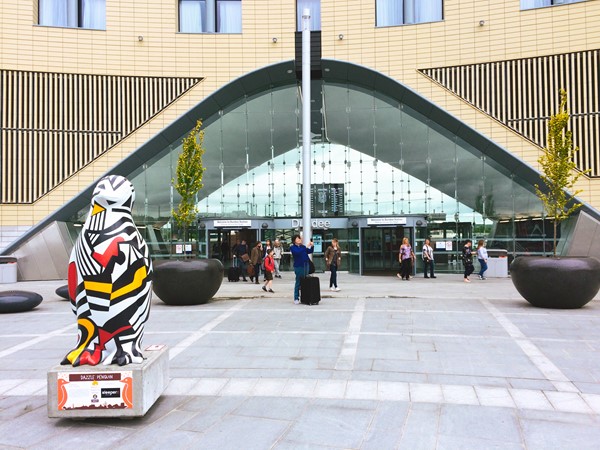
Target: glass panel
93,14
315,13
59,13
192,16
389,12
427,10
530,4
229,16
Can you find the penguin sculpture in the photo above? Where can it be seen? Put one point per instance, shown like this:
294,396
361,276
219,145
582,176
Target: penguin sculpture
109,279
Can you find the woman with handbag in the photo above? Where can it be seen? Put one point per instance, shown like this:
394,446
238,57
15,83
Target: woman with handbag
406,256
255,260
333,260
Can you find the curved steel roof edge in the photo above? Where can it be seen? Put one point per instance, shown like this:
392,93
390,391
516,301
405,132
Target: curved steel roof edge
281,74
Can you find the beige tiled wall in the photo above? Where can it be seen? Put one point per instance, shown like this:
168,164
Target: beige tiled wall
397,52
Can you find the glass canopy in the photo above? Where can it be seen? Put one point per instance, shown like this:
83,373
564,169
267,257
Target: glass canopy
391,160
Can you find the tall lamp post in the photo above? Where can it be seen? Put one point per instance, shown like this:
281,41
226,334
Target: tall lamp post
306,219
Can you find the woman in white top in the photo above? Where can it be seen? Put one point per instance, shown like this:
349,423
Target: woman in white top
482,257
277,254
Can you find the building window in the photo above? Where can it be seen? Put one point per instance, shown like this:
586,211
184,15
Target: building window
531,4
314,6
210,16
73,13
402,12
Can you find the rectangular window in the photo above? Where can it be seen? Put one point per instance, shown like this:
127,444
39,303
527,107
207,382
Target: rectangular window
531,4
403,12
314,6
210,16
73,13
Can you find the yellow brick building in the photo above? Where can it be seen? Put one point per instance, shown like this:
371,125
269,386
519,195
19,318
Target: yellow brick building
92,87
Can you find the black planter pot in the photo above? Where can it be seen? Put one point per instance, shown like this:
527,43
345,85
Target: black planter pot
187,282
560,283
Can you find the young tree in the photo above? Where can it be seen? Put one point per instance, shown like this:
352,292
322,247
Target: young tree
559,171
189,178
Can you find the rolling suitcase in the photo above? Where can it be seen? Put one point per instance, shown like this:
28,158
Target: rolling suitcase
233,273
310,291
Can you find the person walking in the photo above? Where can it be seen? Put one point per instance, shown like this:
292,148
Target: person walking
277,255
482,257
333,260
300,254
405,257
269,268
255,260
467,257
428,261
240,253
265,249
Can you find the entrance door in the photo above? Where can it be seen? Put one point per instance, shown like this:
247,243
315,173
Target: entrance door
221,242
380,248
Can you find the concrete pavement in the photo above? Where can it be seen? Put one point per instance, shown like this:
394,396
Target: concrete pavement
382,364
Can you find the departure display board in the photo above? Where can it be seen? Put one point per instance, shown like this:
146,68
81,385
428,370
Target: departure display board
327,200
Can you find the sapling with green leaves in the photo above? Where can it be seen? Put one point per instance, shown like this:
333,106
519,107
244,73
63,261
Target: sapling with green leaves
558,169
188,181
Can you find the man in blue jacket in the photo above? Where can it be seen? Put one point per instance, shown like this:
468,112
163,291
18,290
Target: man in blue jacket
300,254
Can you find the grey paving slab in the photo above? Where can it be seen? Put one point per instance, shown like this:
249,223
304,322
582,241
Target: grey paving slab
379,365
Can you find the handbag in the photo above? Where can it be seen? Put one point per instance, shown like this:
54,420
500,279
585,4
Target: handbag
251,270
311,266
245,257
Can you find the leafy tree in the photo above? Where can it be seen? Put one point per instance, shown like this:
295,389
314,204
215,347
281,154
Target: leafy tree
189,178
559,171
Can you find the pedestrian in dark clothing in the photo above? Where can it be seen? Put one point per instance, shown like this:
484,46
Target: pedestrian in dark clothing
467,257
300,254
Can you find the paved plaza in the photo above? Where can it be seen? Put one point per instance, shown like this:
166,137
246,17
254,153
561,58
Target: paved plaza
382,364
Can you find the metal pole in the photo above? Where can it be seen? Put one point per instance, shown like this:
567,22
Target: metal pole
306,219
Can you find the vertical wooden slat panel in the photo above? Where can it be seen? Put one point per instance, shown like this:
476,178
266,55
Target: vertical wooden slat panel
53,124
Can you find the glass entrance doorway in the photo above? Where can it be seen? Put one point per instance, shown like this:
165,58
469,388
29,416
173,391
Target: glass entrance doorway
380,248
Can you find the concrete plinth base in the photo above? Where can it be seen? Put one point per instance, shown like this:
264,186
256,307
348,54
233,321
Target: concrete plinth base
108,391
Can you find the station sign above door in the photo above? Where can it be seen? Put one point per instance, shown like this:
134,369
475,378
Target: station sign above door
232,223
386,221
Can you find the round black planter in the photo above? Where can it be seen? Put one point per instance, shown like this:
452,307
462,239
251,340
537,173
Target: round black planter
560,283
187,282
63,291
18,301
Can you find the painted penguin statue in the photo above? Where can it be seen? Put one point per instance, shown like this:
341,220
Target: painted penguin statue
109,279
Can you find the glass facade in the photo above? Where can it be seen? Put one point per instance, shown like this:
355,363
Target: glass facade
384,157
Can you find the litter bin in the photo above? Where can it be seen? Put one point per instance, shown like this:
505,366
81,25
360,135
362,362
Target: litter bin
8,269
497,263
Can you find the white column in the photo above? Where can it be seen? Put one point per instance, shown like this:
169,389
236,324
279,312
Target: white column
306,219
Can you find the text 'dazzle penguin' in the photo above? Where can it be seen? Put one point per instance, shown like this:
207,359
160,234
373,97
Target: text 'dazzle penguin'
109,279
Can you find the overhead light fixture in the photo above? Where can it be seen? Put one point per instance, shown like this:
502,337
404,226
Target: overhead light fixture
481,23
274,40
140,38
340,36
